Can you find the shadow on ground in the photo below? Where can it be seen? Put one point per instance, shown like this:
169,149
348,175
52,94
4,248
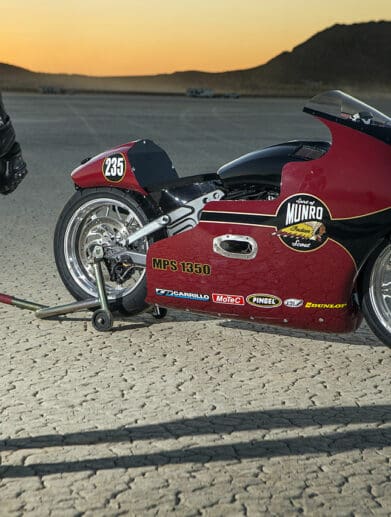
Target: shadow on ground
363,336
262,421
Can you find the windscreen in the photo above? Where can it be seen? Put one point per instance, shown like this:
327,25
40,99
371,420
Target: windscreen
342,108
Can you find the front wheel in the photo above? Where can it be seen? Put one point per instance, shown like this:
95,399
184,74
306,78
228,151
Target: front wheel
376,293
106,217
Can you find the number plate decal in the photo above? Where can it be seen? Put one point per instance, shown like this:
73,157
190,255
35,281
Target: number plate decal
114,167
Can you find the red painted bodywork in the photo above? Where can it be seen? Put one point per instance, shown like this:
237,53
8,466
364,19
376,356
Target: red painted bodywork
90,174
343,180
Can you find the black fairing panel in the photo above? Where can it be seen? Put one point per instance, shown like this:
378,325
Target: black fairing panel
265,166
151,164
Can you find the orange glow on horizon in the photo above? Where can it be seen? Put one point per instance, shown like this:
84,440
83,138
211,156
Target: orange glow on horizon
142,37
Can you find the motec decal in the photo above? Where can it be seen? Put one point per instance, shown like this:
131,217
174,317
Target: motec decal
114,168
198,297
302,222
228,299
264,301
310,305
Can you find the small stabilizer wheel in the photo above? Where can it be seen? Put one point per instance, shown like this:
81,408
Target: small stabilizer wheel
159,313
102,320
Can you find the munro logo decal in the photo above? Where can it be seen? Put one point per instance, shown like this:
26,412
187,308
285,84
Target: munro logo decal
303,221
265,301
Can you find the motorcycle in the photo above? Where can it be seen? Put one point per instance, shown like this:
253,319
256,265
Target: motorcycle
296,234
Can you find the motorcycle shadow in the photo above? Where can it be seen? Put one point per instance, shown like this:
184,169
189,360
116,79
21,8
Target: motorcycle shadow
363,336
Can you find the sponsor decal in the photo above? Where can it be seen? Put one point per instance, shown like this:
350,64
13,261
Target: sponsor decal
114,167
265,301
183,294
310,305
193,268
293,302
302,222
228,299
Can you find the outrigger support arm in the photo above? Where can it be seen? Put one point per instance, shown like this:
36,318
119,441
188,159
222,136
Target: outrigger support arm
101,303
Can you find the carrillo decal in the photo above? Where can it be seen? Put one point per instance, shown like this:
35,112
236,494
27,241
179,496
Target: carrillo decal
199,297
264,301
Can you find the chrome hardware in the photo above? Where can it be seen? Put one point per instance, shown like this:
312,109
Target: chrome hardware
235,246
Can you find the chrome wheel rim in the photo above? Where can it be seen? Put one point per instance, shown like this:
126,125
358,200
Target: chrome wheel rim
380,288
100,221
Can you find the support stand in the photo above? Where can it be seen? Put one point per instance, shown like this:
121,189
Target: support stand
102,319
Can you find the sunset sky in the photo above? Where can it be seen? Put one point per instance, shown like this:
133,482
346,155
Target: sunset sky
136,37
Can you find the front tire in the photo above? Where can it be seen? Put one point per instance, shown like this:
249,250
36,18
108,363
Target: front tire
376,292
101,216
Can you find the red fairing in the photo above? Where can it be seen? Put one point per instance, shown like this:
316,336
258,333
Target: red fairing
276,271
310,289
344,176
109,169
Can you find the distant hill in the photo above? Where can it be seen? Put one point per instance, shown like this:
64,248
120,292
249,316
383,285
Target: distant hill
354,57
358,54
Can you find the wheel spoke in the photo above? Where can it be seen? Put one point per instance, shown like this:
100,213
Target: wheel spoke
116,208
386,290
101,221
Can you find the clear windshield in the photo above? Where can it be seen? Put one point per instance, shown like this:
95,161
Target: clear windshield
344,109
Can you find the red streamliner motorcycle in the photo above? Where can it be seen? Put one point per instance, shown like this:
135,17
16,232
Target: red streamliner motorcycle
296,234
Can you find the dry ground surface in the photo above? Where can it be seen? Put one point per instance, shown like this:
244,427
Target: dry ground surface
189,415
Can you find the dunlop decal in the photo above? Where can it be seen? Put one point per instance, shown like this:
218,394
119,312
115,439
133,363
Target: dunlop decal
310,305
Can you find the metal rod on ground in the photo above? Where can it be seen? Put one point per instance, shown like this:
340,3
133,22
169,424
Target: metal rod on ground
44,311
101,286
59,310
21,304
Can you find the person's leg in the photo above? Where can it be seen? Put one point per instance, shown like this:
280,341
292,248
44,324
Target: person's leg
7,133
12,166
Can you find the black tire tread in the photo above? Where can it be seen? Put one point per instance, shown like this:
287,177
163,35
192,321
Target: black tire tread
366,304
134,302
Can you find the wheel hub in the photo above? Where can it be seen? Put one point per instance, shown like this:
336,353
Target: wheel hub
108,223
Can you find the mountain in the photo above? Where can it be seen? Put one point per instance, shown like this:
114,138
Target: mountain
353,57
358,53
12,70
